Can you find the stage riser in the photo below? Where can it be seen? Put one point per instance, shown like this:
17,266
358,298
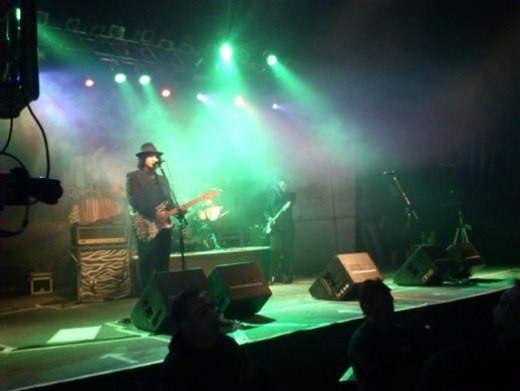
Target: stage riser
208,260
319,356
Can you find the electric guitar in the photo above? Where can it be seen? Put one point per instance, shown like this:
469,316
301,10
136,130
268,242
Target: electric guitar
269,226
146,230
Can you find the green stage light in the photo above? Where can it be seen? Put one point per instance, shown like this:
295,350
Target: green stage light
144,79
120,77
239,101
272,59
226,52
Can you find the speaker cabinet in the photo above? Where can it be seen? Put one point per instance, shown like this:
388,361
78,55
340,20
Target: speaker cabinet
467,258
340,278
102,272
427,265
152,310
239,289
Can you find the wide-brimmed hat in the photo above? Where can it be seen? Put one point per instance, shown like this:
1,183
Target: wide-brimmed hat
148,149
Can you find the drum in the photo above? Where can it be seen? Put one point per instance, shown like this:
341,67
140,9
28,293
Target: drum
209,211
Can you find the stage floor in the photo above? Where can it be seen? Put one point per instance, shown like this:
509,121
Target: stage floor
48,339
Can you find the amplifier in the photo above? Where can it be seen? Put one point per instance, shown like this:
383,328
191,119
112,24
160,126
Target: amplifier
90,235
102,272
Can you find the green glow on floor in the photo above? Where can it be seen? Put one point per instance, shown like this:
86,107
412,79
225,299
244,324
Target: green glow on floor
74,335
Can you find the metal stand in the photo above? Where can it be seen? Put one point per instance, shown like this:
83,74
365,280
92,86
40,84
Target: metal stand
412,218
461,234
182,220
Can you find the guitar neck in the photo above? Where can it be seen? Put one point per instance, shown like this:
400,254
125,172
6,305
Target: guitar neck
188,204
283,209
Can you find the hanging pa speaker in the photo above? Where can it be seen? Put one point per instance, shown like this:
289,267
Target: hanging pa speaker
468,259
239,289
427,265
342,275
152,310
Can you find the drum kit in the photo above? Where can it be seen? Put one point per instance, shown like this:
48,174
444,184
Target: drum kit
201,232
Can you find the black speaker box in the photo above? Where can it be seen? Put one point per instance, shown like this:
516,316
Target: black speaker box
239,289
342,275
468,259
152,310
427,265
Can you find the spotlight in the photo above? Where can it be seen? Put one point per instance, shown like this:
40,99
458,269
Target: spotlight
275,106
166,93
89,82
117,32
120,77
272,59
239,101
144,79
226,52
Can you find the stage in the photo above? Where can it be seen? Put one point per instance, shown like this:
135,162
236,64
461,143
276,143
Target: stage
51,341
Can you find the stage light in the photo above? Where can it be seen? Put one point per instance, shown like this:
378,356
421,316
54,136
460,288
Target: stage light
72,24
117,32
120,77
144,79
89,82
239,101
166,93
226,52
203,98
147,36
272,59
275,106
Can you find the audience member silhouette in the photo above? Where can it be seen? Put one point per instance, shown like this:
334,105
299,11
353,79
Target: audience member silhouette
383,354
506,318
201,357
480,366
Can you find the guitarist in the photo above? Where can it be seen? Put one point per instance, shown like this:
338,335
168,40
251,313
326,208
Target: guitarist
280,221
146,190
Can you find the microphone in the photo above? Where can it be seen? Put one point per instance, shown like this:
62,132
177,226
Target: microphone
158,163
390,172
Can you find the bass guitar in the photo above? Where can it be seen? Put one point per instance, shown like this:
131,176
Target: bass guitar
269,226
145,230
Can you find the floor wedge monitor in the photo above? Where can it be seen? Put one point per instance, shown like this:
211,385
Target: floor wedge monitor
468,259
239,289
342,275
152,310
427,265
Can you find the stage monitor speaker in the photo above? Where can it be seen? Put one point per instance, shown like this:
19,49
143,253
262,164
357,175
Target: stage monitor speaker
342,275
468,259
427,265
152,310
239,289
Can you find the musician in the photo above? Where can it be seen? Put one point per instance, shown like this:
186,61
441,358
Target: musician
150,197
280,220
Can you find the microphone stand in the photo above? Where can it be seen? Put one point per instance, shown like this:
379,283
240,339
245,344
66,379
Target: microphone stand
180,216
411,214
